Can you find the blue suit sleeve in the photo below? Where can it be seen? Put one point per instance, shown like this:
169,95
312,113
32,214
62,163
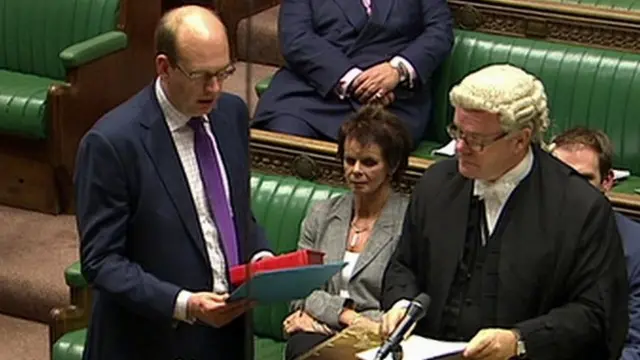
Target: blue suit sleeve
427,51
102,212
307,54
631,349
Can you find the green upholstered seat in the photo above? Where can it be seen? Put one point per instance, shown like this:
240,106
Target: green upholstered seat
34,36
263,85
626,5
73,276
279,205
22,103
268,348
70,346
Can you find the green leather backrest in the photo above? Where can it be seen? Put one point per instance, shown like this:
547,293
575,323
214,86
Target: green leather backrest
628,5
585,86
279,205
34,32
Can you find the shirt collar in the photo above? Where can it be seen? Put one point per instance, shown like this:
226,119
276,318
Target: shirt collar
504,185
174,118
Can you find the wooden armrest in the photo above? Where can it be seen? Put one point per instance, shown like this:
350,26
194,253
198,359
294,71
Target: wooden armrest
81,298
64,320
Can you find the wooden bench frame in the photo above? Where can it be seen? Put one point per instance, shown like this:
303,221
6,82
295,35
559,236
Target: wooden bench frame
565,23
316,160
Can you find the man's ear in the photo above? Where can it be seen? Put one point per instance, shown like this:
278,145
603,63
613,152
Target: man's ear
608,182
523,140
162,65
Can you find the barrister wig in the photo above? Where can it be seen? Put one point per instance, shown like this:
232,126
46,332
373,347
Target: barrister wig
518,97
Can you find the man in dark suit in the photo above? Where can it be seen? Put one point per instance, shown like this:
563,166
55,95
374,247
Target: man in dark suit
342,54
163,206
590,153
521,256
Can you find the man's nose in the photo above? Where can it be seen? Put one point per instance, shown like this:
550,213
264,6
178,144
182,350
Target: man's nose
461,146
213,85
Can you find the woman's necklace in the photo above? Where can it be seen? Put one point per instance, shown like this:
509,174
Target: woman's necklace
355,238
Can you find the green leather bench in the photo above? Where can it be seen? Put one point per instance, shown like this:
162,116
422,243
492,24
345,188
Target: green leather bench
61,68
38,54
585,86
279,205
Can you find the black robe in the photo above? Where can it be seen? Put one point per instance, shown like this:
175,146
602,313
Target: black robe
561,270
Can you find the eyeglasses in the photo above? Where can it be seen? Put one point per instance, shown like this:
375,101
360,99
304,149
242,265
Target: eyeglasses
475,142
205,77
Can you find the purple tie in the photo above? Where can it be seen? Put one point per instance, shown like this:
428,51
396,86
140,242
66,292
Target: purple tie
212,178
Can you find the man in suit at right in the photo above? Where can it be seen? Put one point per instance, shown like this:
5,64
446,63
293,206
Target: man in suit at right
590,153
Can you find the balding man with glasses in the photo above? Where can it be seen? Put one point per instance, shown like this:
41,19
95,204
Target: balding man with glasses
520,255
162,199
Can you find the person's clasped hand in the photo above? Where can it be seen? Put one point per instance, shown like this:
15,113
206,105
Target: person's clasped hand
384,100
375,83
213,309
301,321
492,344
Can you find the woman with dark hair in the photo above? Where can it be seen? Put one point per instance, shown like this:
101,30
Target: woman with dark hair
361,227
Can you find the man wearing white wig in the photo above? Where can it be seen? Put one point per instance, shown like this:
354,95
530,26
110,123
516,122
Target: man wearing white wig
521,257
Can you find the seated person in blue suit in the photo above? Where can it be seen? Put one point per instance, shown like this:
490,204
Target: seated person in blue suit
590,153
343,54
361,227
163,206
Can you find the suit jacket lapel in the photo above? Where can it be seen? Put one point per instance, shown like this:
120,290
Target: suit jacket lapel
381,10
354,12
383,232
338,229
159,145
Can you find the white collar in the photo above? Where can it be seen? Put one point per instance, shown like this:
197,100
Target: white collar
502,188
174,118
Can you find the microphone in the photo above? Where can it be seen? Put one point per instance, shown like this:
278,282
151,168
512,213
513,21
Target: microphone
416,311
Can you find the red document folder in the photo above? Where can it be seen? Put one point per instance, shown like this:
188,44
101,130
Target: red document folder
285,261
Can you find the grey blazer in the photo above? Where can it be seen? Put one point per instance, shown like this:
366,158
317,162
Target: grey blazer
326,228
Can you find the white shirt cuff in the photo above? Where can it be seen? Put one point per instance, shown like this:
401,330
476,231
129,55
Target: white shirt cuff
261,254
346,80
180,309
401,304
407,64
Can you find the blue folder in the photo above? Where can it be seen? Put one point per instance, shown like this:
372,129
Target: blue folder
286,284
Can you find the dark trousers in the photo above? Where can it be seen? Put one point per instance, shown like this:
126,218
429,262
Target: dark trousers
301,342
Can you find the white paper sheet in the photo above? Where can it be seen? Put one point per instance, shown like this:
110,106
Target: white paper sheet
447,150
621,174
420,348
